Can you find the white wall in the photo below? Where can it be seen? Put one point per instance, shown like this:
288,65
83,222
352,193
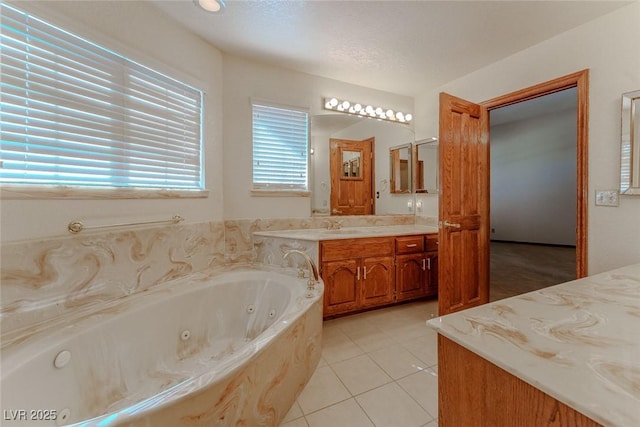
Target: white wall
533,179
610,48
244,79
141,32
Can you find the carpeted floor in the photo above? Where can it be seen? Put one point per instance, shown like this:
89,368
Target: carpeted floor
517,268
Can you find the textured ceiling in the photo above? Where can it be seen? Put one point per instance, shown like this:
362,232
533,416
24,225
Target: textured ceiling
404,47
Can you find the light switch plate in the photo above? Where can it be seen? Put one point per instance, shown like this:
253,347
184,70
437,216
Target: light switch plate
606,198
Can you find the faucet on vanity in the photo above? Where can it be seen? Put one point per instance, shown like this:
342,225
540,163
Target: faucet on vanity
333,224
314,277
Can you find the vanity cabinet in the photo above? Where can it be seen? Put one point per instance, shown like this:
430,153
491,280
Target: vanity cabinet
357,273
416,266
431,252
371,272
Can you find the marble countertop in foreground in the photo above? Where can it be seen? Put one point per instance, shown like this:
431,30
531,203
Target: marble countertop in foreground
579,342
349,232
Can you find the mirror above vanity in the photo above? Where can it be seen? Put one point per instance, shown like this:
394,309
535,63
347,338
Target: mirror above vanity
349,131
630,144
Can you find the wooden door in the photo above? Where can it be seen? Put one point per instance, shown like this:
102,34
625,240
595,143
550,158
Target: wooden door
341,286
410,276
463,205
352,172
377,281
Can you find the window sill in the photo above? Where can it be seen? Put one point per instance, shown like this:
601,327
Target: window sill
280,193
65,192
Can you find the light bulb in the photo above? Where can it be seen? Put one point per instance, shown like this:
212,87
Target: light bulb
345,105
357,108
379,111
408,117
333,102
400,116
369,109
389,113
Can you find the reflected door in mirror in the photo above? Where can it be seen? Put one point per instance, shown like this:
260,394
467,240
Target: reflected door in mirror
351,168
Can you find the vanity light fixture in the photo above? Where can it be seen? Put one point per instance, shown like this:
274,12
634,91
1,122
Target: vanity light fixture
334,104
212,6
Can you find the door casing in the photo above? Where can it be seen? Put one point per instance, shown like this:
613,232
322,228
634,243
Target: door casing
579,80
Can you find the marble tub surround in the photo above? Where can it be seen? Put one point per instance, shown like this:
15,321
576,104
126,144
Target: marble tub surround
43,279
239,232
578,342
271,250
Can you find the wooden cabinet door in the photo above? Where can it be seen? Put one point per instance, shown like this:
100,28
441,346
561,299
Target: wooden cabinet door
410,276
432,273
341,286
377,281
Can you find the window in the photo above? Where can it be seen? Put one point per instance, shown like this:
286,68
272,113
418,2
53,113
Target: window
280,147
76,114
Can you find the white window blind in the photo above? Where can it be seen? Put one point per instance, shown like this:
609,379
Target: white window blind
280,147
76,114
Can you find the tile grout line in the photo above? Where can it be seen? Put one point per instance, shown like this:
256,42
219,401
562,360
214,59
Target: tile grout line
412,315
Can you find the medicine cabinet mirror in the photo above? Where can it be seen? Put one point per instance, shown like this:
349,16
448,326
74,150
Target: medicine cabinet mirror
630,144
425,166
400,172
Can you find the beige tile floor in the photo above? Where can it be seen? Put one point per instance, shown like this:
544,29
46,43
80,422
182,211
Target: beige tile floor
378,368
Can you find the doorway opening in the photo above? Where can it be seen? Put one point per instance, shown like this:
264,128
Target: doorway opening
538,186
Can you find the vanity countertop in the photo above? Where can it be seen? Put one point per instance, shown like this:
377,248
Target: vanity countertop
579,342
319,234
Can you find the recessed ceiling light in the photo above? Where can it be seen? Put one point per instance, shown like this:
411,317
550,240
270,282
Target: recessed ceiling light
210,5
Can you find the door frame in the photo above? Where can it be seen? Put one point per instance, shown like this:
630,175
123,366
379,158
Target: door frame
579,80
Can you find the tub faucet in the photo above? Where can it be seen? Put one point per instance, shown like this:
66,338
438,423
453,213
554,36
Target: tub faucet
313,270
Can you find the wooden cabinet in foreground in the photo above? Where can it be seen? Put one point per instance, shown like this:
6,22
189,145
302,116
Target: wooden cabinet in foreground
372,272
474,392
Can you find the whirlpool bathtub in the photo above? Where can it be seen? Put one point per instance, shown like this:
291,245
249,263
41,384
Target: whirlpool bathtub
223,349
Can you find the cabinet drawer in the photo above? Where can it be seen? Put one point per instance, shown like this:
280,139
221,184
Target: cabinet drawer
431,242
409,244
332,250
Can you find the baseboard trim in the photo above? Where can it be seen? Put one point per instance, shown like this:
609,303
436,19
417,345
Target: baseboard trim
533,243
